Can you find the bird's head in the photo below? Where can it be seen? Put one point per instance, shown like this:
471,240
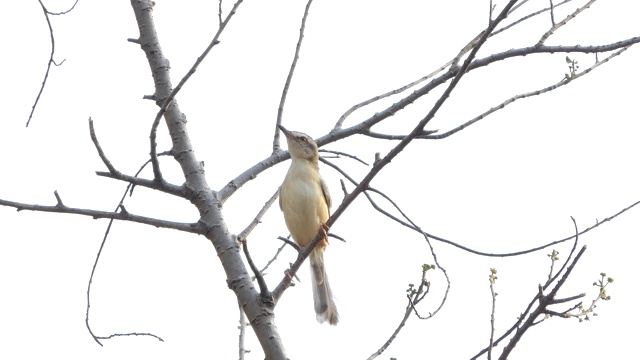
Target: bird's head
301,146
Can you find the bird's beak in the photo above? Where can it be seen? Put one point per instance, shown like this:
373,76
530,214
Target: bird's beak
286,132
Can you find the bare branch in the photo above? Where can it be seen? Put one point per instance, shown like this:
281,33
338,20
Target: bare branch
129,334
303,254
399,90
275,256
409,224
339,153
424,135
129,189
414,296
544,301
63,12
242,327
420,126
507,27
492,281
245,233
96,143
166,102
113,173
264,290
516,253
287,83
53,50
289,242
513,99
194,228
393,336
563,22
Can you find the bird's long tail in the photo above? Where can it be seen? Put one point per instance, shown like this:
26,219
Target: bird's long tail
322,298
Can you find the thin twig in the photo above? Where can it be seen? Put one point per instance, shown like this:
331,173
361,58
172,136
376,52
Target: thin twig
169,100
344,154
193,228
563,22
424,135
291,243
393,336
241,336
409,224
256,220
129,334
275,256
543,302
264,290
492,281
513,99
399,90
287,83
113,173
64,12
46,74
128,189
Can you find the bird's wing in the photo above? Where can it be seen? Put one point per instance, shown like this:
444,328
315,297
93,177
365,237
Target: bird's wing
325,192
280,197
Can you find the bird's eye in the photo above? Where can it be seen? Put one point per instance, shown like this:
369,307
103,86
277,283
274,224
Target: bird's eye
303,139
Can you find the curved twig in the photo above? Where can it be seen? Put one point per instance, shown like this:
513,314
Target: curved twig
129,189
46,74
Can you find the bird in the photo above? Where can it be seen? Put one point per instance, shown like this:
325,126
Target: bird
305,203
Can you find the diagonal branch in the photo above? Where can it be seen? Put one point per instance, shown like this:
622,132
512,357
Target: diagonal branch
543,302
113,173
166,102
232,186
563,22
378,166
513,99
287,83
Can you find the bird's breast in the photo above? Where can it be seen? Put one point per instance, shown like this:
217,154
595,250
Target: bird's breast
303,203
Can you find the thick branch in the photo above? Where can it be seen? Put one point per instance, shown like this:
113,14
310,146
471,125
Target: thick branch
259,310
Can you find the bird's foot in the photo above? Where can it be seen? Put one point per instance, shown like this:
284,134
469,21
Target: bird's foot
288,274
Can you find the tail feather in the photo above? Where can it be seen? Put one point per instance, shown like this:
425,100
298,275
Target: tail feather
322,297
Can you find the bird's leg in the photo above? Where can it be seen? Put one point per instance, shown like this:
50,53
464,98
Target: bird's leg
324,230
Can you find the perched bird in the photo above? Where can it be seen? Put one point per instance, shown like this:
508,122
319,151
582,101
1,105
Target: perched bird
305,203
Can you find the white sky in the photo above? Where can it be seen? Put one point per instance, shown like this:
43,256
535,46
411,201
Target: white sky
508,183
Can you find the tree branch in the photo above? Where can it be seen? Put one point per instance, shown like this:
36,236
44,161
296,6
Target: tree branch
563,22
194,228
165,102
51,61
513,99
287,83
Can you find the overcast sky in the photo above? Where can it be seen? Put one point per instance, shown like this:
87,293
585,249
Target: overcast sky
510,182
